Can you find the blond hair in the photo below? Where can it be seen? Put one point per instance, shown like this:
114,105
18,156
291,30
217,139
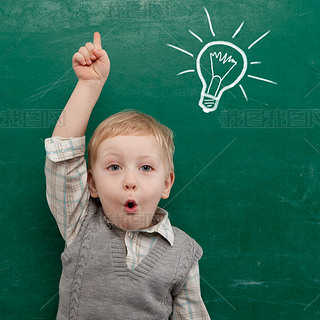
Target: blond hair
132,122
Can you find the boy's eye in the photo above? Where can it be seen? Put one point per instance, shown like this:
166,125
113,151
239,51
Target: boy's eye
113,167
146,168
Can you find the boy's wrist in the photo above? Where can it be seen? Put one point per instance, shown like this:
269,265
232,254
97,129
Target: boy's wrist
77,111
92,85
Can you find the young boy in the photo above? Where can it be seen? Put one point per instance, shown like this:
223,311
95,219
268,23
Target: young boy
123,259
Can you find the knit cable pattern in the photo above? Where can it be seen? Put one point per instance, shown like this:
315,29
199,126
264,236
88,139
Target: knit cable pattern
84,251
191,252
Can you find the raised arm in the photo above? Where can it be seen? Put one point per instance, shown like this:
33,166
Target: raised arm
91,65
65,168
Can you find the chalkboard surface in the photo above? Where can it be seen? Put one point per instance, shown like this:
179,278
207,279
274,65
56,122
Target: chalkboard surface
247,162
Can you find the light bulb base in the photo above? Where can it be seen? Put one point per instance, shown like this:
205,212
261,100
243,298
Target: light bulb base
208,103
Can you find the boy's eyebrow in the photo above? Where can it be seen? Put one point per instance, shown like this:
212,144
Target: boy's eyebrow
148,156
106,154
113,153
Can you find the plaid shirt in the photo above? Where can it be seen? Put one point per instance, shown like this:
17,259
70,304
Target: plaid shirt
68,198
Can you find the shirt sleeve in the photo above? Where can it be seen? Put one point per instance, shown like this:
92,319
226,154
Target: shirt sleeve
66,183
188,304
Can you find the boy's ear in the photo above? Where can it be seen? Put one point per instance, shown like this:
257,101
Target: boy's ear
167,185
92,185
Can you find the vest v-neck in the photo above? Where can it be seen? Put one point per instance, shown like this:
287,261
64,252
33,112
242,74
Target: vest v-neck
148,262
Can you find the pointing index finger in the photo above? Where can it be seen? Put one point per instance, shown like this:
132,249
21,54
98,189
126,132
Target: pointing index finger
97,40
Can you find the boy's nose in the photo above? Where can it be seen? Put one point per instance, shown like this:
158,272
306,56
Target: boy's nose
130,185
130,182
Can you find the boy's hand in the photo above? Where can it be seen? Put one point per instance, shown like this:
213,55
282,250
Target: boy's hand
92,62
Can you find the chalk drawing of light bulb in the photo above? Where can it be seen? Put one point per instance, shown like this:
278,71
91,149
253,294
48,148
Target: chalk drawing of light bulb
220,65
220,78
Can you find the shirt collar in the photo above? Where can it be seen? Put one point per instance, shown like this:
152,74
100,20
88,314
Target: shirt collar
161,225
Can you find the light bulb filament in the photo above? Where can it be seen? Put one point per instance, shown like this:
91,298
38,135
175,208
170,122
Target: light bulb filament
224,59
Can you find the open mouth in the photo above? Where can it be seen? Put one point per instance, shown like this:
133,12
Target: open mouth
130,206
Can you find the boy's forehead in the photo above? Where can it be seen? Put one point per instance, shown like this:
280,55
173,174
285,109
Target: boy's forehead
129,138
138,144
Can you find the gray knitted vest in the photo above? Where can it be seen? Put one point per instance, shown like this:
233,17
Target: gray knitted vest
97,284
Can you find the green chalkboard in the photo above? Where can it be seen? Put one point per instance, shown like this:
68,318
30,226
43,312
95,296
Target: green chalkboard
247,173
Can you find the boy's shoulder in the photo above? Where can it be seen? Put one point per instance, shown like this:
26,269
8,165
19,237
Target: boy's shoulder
179,232
187,243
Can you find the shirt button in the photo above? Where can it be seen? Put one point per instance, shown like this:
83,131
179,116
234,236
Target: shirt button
130,234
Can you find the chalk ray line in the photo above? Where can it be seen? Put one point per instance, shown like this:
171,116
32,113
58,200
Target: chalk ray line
203,68
254,100
262,79
218,293
212,160
54,84
238,30
43,87
253,43
196,36
185,71
244,93
312,90
255,62
317,151
59,80
49,300
177,48
34,96
209,20
311,303
302,14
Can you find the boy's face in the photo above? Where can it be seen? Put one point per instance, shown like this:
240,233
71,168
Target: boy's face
130,178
